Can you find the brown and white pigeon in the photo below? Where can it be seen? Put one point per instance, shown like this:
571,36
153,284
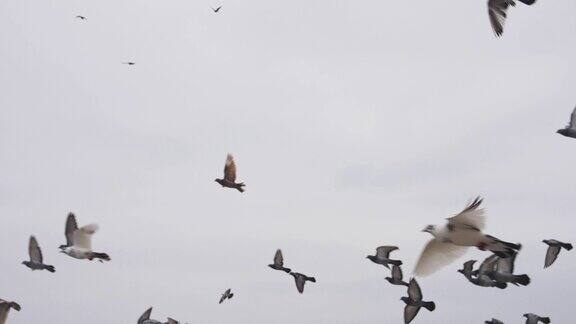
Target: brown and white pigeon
79,241
36,259
229,180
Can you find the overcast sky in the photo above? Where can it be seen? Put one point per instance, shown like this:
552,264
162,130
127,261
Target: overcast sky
354,124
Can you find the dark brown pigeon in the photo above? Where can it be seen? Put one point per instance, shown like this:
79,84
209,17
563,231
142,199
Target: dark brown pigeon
554,247
229,180
279,262
301,280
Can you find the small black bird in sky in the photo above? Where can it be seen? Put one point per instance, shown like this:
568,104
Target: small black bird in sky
494,321
229,180
226,295
81,17
129,63
216,9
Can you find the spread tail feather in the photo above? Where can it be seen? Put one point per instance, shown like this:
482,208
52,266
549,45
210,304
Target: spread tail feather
50,268
311,279
430,306
240,186
545,320
567,246
524,280
101,256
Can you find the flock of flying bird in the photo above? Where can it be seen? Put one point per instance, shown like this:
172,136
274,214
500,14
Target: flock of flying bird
449,242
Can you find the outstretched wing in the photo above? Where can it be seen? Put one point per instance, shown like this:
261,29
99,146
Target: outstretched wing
34,250
551,255
396,272
506,265
410,312
572,123
497,12
300,281
230,169
471,218
145,316
172,321
278,259
437,255
489,264
82,237
71,227
383,252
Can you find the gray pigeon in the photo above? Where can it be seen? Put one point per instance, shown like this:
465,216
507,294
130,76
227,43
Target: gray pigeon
554,248
534,319
145,319
226,295
382,256
503,272
570,129
5,307
35,253
300,280
414,302
479,277
493,321
229,180
497,13
396,278
279,262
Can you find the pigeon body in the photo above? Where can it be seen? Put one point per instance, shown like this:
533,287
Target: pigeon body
396,278
36,259
279,262
414,302
452,240
382,256
226,295
497,12
534,319
5,307
300,280
503,272
554,247
570,129
229,180
79,241
493,321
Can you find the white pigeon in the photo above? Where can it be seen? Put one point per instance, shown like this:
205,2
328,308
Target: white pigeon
451,241
79,241
5,307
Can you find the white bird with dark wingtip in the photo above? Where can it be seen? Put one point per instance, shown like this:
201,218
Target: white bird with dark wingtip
79,241
36,259
570,129
5,307
414,302
279,262
554,247
534,319
452,240
226,295
497,12
383,256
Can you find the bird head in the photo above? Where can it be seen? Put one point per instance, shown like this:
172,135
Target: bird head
562,131
429,229
405,299
525,315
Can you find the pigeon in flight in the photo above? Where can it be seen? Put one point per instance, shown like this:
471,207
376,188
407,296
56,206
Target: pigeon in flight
226,295
396,278
570,129
229,180
36,260
502,271
494,321
479,277
81,17
554,248
497,12
534,319
383,256
145,319
5,307
79,241
129,63
452,240
216,9
414,302
300,280
279,262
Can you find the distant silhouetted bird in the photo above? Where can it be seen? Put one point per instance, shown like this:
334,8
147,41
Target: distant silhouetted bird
145,319
383,256
493,321
216,9
226,295
229,180
279,262
452,240
554,247
570,129
5,307
414,302
300,280
79,241
81,17
129,63
534,319
497,12
396,278
36,259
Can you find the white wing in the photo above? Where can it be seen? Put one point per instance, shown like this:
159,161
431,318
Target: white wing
82,237
437,255
471,217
